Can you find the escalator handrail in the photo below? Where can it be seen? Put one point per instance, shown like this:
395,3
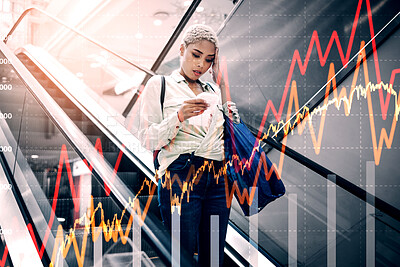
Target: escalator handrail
78,140
260,249
338,180
85,36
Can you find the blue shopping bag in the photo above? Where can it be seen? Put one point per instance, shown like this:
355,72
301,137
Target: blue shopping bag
248,168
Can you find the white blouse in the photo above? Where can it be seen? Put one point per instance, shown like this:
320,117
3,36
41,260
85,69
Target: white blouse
163,130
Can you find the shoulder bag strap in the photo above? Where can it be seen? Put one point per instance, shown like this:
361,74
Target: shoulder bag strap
162,95
209,85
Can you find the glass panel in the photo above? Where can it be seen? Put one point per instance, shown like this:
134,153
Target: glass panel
12,95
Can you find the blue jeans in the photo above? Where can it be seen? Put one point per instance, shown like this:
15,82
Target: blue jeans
207,197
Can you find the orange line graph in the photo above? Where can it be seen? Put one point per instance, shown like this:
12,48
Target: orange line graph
296,59
110,230
113,229
194,175
76,200
304,117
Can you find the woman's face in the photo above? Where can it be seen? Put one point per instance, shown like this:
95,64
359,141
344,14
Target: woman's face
196,59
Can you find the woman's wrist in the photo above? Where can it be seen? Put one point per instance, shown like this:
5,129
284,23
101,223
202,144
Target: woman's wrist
180,115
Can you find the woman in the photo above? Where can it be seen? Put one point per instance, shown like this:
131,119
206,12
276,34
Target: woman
191,149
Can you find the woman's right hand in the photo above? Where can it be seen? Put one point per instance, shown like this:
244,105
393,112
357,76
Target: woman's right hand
191,108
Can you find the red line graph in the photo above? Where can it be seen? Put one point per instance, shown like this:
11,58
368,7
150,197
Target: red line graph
4,258
296,60
99,148
76,200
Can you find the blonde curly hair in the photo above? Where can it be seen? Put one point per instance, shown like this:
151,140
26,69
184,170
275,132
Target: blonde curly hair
199,32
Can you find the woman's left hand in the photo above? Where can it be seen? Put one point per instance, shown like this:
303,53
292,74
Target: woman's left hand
215,66
231,111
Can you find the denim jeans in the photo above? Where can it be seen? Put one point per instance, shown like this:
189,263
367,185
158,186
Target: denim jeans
206,197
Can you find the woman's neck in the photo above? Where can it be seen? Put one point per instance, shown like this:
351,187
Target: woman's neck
194,85
188,80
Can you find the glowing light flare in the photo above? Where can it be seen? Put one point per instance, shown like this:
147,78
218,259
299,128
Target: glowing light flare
139,35
199,9
157,22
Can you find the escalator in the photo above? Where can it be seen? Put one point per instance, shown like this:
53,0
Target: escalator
18,218
134,178
87,112
56,164
316,222
63,188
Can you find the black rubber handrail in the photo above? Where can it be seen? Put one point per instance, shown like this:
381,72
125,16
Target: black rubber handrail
338,180
93,41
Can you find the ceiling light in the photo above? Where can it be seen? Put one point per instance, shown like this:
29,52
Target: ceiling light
157,22
139,35
95,65
199,9
159,17
35,156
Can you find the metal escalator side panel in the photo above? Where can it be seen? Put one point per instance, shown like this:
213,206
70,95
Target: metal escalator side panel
20,245
98,111
27,186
